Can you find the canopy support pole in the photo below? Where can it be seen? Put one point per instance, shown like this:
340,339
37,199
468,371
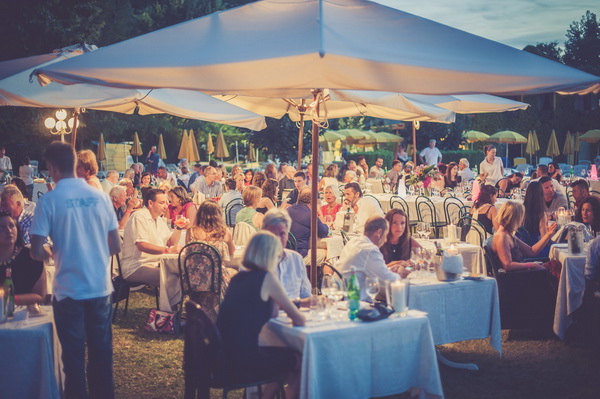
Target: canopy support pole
302,110
314,194
76,112
414,143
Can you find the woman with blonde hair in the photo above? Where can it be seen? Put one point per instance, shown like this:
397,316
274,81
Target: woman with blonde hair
87,167
180,204
270,191
248,214
510,250
254,296
332,206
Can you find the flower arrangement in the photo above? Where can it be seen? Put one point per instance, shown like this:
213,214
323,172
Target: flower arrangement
422,175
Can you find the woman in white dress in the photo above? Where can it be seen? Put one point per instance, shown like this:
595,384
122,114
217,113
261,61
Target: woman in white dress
491,167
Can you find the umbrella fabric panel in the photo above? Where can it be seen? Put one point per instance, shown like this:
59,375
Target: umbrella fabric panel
193,154
591,136
328,49
136,149
161,151
473,136
101,155
552,149
183,148
568,147
221,151
508,137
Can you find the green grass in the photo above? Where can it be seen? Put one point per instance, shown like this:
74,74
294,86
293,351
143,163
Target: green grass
148,365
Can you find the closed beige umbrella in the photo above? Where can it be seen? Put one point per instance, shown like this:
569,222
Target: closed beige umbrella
101,156
136,150
251,157
183,148
531,146
193,154
161,151
552,149
537,142
221,151
568,147
210,147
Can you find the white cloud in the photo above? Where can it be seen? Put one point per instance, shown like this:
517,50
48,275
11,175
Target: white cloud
516,23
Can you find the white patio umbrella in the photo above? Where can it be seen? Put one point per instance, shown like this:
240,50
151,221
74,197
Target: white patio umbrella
286,48
16,89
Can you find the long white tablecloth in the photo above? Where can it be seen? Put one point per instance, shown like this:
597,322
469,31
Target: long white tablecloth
571,287
459,310
343,359
30,357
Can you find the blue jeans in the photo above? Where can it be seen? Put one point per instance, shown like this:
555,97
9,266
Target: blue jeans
79,322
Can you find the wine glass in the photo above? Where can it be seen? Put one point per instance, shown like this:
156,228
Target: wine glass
328,286
372,287
421,228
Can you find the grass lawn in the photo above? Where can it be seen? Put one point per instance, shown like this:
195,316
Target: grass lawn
148,365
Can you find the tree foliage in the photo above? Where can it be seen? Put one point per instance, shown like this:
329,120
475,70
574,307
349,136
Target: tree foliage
582,48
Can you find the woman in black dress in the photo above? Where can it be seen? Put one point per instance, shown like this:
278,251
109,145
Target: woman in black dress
28,275
253,297
399,244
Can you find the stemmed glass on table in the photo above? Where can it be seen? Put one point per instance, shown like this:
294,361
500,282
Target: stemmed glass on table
372,287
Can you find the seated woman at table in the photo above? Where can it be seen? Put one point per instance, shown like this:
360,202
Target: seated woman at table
28,275
329,178
535,224
254,296
510,250
145,180
451,178
484,210
270,191
87,167
589,214
398,244
332,205
271,171
180,204
209,227
248,176
248,214
259,179
508,183
554,171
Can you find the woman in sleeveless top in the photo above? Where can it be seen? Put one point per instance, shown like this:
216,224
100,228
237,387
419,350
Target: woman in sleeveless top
451,178
209,228
254,296
248,214
399,244
484,210
510,250
180,204
536,221
270,191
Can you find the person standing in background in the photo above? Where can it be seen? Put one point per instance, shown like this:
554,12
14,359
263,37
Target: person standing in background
152,161
26,174
431,155
5,163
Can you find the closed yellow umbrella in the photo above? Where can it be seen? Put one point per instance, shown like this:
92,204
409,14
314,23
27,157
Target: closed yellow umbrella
531,146
101,155
576,146
193,154
537,142
183,148
552,149
221,151
136,150
568,147
161,151
251,157
210,147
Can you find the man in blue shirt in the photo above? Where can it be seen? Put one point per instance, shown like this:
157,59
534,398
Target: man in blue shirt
152,161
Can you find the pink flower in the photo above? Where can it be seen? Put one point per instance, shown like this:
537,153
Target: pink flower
427,181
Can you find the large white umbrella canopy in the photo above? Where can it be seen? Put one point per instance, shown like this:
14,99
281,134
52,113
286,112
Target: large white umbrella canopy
16,89
283,48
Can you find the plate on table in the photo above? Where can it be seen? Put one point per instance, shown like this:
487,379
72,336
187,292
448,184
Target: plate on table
473,276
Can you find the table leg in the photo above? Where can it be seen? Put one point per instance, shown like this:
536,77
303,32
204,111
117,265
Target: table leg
449,363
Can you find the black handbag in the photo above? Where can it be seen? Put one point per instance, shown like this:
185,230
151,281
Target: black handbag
376,312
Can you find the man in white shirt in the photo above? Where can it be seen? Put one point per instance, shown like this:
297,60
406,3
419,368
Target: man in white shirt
363,254
146,237
431,155
5,163
83,228
376,170
362,207
464,171
112,178
163,176
291,269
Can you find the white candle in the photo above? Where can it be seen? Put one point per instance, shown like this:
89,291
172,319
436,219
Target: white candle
451,233
399,293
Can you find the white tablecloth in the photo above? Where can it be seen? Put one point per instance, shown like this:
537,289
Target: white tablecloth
473,256
30,356
342,359
570,287
459,310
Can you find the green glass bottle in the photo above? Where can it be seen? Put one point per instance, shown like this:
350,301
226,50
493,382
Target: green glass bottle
9,293
353,295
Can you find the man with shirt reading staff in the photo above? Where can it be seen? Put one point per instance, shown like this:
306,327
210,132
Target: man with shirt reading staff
81,223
